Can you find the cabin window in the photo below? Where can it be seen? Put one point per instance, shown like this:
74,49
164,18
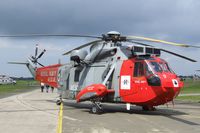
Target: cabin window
138,69
76,76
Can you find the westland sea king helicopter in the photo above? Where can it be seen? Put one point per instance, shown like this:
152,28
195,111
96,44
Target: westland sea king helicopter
116,69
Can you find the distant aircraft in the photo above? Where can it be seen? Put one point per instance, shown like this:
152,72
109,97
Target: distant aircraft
6,80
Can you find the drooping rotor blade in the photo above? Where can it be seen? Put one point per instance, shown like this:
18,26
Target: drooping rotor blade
41,54
181,56
36,50
82,46
197,70
167,51
51,35
138,38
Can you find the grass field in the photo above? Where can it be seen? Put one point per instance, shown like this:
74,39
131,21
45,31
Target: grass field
20,86
190,87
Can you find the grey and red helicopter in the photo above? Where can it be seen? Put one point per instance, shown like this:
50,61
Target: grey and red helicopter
116,69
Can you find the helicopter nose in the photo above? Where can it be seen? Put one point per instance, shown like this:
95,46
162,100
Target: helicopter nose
172,83
172,87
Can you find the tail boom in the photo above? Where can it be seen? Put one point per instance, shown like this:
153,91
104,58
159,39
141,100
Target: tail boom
48,75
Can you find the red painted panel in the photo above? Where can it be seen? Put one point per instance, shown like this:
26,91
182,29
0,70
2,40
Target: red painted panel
136,90
126,75
48,75
92,91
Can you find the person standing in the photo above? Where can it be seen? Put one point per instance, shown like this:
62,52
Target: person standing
52,89
47,88
42,86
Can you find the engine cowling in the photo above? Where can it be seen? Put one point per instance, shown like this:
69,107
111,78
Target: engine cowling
78,55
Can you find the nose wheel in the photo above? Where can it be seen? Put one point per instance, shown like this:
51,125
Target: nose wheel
59,100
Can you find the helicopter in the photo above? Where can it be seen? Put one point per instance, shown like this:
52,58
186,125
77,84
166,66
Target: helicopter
115,69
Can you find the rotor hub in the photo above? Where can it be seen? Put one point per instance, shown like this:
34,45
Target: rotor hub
113,36
113,33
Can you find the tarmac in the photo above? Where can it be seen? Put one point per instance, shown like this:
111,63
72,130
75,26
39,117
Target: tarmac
30,112
180,118
36,112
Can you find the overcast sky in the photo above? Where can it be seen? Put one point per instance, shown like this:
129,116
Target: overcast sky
171,20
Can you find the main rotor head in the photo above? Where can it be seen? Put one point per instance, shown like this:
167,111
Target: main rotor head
113,36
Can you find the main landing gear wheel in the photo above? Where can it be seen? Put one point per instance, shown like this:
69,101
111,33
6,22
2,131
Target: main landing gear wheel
96,108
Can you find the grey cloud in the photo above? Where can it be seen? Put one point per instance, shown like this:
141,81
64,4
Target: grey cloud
95,17
173,20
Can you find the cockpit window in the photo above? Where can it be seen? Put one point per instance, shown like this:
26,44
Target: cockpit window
164,67
156,67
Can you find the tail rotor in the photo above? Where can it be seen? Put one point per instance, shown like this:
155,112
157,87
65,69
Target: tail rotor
35,58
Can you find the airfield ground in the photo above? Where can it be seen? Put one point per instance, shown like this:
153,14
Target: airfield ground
30,112
36,112
183,118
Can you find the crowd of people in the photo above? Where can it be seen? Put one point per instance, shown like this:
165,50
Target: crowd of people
46,86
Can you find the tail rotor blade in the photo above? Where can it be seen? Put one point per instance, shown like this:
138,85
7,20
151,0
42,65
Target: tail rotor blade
40,64
36,50
20,63
41,54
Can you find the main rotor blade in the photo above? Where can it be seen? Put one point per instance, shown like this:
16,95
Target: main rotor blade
143,44
51,35
82,46
181,56
138,38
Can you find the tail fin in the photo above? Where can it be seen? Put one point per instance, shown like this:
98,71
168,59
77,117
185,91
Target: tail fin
32,62
29,65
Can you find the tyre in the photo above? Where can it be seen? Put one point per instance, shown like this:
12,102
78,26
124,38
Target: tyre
58,102
96,110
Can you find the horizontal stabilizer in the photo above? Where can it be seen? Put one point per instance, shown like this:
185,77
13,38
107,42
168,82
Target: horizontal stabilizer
20,63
